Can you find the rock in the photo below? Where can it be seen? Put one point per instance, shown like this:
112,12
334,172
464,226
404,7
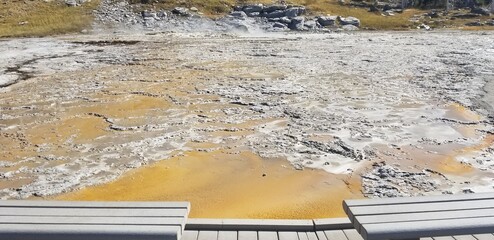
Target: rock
294,12
433,14
350,28
474,24
279,25
253,8
297,23
350,21
481,11
291,13
389,13
490,23
275,14
239,14
71,3
310,24
162,14
373,8
327,20
194,9
423,26
253,14
285,20
184,12
466,15
272,8
146,14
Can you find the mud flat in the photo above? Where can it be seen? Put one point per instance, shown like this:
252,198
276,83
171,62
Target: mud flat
247,119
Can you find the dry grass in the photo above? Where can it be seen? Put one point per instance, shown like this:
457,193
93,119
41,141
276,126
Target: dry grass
42,19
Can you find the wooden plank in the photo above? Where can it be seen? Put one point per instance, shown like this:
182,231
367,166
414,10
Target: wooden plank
424,199
102,212
267,225
486,236
313,236
247,235
422,207
267,235
417,229
332,223
303,236
84,232
92,204
443,238
352,234
287,235
92,220
321,235
190,235
335,235
227,235
465,237
207,235
421,216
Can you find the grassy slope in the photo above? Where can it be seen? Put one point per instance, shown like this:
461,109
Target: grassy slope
43,18
56,18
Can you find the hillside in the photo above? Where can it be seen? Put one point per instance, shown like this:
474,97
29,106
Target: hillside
48,17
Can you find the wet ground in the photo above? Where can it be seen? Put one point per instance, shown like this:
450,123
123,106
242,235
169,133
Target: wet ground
315,117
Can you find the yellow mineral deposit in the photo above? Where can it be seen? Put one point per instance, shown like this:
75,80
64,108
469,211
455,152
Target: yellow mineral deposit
221,185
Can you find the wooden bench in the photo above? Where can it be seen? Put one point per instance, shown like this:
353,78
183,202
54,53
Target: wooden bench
416,217
57,220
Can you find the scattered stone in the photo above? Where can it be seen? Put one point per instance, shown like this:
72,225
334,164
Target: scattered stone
279,25
194,9
184,12
349,21
481,11
274,14
349,28
253,8
297,23
423,26
273,8
474,24
327,20
239,14
71,3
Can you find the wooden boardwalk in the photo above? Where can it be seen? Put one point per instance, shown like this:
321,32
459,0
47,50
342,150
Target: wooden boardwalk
321,229
342,234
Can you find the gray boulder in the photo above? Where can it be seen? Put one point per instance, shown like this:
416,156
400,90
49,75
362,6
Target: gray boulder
481,11
71,3
253,8
311,24
349,21
272,8
275,14
350,27
146,14
239,14
285,20
474,24
297,23
279,25
253,14
327,20
184,12
294,12
490,23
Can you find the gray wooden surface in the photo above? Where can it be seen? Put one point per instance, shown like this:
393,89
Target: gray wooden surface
54,220
342,234
455,217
